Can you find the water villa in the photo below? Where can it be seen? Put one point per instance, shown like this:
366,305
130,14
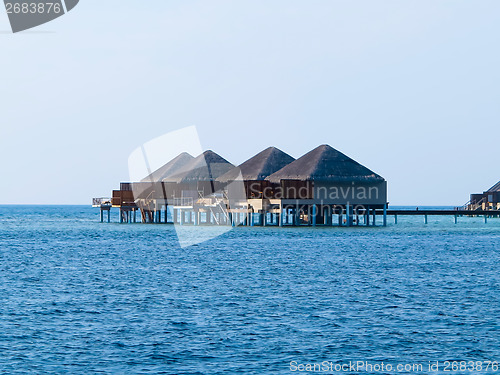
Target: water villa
488,200
323,187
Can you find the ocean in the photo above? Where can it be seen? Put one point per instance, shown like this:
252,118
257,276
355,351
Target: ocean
83,297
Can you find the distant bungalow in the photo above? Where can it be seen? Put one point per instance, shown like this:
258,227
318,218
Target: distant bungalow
488,200
271,188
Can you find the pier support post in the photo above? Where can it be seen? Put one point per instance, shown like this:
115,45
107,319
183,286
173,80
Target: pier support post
328,215
385,215
314,214
345,222
374,217
348,215
395,219
367,216
426,221
456,219
102,215
183,216
486,219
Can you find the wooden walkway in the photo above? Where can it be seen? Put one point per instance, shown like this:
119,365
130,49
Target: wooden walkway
426,213
491,213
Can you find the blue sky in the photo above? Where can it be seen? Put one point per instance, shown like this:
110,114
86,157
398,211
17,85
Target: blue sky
408,88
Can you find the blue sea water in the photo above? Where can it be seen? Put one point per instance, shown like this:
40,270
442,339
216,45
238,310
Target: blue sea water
78,296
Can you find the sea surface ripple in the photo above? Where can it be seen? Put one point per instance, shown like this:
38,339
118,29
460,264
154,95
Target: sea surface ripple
78,296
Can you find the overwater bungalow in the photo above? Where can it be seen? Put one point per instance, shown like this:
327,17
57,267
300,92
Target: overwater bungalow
271,188
488,200
325,182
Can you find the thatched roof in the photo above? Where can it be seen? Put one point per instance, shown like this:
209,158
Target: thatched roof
259,166
174,166
324,163
205,167
495,188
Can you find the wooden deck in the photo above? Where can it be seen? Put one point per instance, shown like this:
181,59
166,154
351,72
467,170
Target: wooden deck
490,213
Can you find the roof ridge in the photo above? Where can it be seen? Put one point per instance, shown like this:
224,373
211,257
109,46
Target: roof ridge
324,163
260,165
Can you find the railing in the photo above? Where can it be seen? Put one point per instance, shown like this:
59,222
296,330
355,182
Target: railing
477,205
469,206
149,198
101,201
186,201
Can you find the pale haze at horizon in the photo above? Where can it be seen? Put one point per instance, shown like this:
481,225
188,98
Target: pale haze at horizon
409,89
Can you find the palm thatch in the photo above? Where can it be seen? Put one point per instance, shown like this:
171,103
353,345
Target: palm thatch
173,167
326,164
259,166
495,188
205,167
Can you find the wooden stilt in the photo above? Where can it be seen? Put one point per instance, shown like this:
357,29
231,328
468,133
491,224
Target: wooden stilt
385,215
348,215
